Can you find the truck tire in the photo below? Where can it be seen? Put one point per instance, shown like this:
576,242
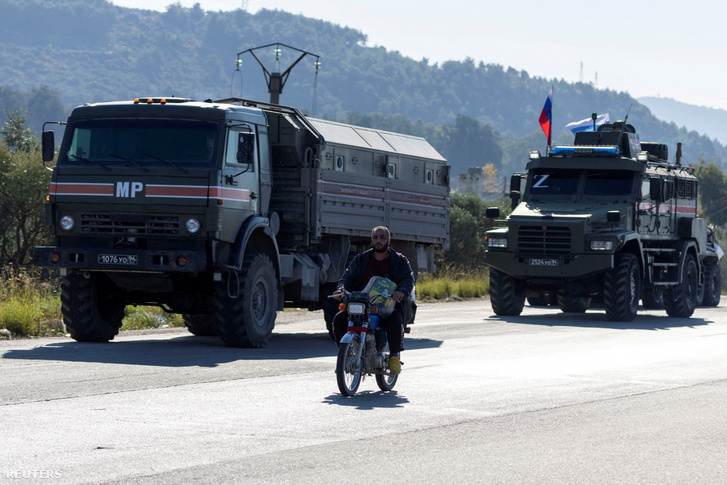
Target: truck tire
92,311
330,307
712,284
200,324
573,304
245,303
652,299
681,300
622,289
507,294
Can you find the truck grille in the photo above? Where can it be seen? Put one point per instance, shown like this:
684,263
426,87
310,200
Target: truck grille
544,239
129,224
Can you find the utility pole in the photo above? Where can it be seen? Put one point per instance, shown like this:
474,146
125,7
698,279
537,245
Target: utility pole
276,80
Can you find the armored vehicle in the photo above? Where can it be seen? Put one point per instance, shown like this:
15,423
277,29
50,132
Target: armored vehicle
608,218
226,211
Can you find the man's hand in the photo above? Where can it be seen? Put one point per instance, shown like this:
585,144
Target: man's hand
397,296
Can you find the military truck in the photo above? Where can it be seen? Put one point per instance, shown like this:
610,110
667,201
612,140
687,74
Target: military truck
226,211
605,218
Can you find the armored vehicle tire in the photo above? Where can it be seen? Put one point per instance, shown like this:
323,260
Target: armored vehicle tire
507,294
658,150
653,299
200,324
573,304
92,311
245,303
712,284
622,289
681,300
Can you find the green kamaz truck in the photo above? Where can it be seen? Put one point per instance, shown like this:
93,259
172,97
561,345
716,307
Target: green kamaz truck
226,211
605,218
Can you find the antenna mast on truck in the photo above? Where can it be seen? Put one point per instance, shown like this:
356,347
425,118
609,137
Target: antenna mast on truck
276,80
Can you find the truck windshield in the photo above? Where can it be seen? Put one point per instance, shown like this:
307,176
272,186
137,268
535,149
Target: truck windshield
140,141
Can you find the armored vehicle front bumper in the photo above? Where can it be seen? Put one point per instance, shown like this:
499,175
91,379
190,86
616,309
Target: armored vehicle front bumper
549,267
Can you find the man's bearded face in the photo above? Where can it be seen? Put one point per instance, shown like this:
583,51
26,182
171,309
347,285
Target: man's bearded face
380,242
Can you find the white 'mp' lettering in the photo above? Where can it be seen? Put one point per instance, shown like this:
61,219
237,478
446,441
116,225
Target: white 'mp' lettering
128,189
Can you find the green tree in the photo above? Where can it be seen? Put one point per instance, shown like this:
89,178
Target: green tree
23,186
712,191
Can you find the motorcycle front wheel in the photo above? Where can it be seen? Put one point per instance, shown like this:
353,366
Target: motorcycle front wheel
348,368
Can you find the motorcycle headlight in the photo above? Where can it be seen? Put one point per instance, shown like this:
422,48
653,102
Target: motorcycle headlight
356,308
67,223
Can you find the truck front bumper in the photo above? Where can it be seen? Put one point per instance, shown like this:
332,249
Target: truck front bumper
124,260
540,267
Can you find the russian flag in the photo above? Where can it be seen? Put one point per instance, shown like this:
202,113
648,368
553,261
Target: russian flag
587,124
546,116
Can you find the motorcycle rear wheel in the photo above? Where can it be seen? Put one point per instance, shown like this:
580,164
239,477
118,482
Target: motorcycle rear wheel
348,369
386,382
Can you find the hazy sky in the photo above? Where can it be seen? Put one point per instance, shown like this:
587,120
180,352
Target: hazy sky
645,47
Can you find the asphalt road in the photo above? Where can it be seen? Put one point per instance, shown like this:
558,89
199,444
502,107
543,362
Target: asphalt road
542,398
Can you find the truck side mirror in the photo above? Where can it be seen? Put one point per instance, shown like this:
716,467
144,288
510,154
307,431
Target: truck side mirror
48,146
492,212
655,189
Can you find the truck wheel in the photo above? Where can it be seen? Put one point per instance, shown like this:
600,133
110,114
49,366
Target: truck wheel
682,299
573,304
653,299
622,288
330,307
245,303
200,324
507,294
91,309
712,284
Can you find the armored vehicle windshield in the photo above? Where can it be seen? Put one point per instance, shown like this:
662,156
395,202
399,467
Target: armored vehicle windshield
573,185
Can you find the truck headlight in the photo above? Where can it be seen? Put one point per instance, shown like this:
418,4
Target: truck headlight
496,242
601,245
67,223
193,226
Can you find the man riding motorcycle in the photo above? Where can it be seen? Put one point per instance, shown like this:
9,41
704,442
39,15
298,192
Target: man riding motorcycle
380,260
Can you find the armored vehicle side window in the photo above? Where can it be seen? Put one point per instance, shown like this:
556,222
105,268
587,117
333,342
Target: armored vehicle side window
609,183
143,141
241,148
554,183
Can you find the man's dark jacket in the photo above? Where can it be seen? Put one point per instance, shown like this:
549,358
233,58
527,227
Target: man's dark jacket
399,272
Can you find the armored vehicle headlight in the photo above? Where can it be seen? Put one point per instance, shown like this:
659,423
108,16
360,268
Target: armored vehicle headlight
356,308
67,223
601,245
193,226
497,242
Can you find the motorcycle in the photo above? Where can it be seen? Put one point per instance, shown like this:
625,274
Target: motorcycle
364,350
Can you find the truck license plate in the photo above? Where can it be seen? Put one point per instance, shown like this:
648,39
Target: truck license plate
127,259
544,262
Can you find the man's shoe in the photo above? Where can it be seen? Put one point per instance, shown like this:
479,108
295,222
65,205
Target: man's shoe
394,365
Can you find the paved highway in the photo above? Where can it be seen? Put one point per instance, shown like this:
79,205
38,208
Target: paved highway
545,397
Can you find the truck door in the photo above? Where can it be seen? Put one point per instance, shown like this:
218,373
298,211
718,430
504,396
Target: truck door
239,184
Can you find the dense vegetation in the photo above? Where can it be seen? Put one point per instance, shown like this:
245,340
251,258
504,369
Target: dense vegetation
91,50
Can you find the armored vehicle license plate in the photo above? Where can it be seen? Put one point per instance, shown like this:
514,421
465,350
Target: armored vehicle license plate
543,262
125,259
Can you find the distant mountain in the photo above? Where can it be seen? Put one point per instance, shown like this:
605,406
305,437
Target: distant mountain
92,51
707,121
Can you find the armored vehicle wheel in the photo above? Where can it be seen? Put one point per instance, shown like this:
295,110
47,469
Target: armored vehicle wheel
507,294
712,284
245,303
573,304
200,324
681,300
92,311
653,299
622,288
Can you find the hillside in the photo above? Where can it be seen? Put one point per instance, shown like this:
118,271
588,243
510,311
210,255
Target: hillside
91,50
707,121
